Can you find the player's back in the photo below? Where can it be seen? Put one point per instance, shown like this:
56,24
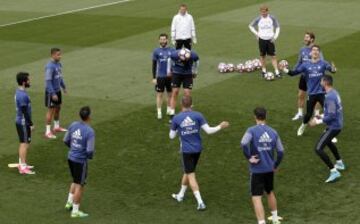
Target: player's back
188,125
263,144
22,99
333,107
79,133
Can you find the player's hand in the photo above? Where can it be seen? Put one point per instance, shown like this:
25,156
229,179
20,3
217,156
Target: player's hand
154,81
194,76
194,40
65,91
224,124
173,42
55,98
169,75
254,159
276,170
32,127
333,67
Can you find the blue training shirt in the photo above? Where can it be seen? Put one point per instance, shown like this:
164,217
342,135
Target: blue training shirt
23,108
80,138
333,110
305,56
188,125
53,77
161,56
262,140
180,67
313,72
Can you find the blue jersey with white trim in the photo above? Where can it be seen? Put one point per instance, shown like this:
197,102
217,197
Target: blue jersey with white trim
181,67
53,77
22,100
161,56
333,110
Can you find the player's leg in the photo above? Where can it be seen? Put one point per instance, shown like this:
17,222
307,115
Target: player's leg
339,165
179,44
195,189
168,91
24,133
271,52
269,188
184,180
175,84
57,127
188,84
187,43
301,98
259,209
257,190
159,88
70,200
49,103
310,104
324,140
79,172
262,50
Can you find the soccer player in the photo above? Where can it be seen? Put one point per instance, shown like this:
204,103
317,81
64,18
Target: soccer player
81,140
161,77
265,24
54,82
187,125
333,119
259,143
305,56
183,29
184,70
313,71
24,124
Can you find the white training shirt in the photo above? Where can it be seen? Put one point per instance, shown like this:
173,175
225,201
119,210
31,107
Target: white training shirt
183,27
265,27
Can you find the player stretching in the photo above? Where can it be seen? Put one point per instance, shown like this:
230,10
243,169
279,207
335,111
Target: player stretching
188,124
54,83
24,125
81,140
305,56
259,143
161,77
266,37
333,118
313,72
184,69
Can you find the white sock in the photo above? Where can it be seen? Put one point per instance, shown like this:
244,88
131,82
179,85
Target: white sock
274,216
172,111
277,71
56,124
333,170
168,109
22,165
339,161
182,191
300,110
75,208
261,222
198,197
70,198
317,112
48,129
159,110
263,70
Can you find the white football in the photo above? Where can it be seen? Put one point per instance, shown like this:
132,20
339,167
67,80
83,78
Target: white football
230,67
284,63
240,67
222,67
184,54
269,76
257,63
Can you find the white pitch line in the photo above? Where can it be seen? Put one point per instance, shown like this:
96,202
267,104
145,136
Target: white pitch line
64,13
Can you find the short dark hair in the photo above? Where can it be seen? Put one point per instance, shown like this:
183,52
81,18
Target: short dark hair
22,77
328,79
315,46
183,5
54,50
260,113
186,101
311,34
163,35
85,113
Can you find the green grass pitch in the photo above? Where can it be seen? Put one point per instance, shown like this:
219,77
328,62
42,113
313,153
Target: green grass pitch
106,58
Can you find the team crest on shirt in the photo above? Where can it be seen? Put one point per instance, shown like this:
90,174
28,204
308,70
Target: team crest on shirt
187,122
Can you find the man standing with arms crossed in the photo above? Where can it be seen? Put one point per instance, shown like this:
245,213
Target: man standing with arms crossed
333,119
24,124
161,76
183,29
54,82
265,24
187,125
81,140
259,144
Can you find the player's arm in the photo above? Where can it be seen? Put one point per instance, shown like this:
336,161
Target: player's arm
330,67
193,33
173,30
48,79
252,26
90,147
299,61
294,72
330,115
67,139
195,66
212,130
27,116
245,144
173,129
280,152
168,69
276,26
